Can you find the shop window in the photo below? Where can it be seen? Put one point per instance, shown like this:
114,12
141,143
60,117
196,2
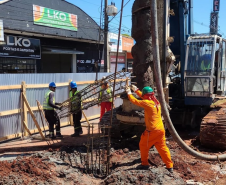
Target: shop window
86,68
13,65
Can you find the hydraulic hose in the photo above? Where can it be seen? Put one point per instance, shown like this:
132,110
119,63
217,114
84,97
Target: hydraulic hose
158,80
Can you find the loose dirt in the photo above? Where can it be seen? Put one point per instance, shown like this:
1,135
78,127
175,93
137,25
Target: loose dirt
67,165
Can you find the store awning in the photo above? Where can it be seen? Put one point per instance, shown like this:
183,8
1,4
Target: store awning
129,55
60,51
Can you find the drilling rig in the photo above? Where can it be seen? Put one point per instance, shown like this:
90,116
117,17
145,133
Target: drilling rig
197,93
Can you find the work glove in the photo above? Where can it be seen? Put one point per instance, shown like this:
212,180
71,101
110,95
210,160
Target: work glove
128,90
134,88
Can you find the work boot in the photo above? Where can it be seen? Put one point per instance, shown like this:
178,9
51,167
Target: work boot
143,167
80,132
50,136
59,136
75,135
170,170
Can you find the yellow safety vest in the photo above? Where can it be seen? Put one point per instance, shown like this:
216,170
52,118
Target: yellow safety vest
108,91
203,67
73,100
46,105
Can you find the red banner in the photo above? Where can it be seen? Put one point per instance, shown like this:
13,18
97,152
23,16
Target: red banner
121,59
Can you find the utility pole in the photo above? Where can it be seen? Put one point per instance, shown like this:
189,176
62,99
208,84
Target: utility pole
106,37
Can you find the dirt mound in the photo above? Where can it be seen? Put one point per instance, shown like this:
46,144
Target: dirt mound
23,170
154,176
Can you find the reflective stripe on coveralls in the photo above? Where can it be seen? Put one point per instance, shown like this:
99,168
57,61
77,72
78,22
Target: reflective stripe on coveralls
154,133
46,105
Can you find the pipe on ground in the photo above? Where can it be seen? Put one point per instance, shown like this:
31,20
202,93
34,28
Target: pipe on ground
157,75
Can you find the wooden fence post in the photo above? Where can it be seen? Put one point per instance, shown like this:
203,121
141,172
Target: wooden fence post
23,87
33,116
70,116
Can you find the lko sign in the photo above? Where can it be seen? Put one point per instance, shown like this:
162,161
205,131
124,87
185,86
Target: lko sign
20,47
54,18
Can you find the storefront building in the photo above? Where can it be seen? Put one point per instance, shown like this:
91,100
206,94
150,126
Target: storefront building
47,36
127,44
125,58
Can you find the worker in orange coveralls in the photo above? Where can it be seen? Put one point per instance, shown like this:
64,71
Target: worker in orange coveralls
154,133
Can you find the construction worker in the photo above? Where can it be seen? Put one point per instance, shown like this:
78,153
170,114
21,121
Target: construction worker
105,98
49,105
206,62
75,96
154,133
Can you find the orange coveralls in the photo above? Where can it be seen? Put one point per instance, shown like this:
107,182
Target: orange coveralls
154,133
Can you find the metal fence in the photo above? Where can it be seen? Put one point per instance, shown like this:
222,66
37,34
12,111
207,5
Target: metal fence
10,98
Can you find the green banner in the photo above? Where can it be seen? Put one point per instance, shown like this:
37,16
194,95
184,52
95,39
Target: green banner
54,18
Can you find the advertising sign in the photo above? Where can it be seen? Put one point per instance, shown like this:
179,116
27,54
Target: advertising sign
216,5
127,44
214,23
20,47
1,31
121,59
113,40
54,18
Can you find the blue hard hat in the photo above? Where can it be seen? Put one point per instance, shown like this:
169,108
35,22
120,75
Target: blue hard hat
73,85
52,84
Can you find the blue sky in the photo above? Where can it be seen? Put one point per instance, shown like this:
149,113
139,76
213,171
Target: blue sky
92,7
202,9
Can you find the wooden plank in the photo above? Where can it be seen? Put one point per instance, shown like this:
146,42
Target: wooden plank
70,118
85,117
40,108
15,111
33,117
23,92
85,82
9,112
26,128
34,86
13,136
10,87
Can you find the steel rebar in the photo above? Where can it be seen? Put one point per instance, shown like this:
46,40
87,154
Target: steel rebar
112,105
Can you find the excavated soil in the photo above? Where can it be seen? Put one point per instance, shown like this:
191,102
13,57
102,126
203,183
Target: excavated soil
67,165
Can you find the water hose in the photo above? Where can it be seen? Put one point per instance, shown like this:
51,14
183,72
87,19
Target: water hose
158,80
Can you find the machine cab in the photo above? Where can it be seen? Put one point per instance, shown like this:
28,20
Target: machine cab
205,69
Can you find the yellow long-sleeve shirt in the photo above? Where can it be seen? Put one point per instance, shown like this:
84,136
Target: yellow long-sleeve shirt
152,115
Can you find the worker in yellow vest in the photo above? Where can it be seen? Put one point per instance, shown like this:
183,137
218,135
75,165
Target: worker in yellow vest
75,96
49,105
206,62
105,103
